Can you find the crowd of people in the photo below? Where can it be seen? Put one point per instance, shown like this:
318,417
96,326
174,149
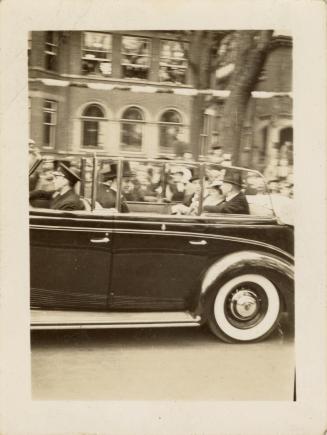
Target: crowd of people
56,184
279,171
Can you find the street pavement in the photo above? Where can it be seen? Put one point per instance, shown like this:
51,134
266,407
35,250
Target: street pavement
159,364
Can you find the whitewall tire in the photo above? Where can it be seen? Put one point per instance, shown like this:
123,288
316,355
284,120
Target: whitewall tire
245,309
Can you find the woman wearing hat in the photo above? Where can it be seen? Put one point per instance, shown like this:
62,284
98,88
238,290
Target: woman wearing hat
177,186
214,195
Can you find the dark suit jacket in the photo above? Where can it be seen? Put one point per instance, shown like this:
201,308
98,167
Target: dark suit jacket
40,198
188,199
68,201
237,205
107,198
177,196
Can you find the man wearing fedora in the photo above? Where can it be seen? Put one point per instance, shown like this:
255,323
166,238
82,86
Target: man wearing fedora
64,196
234,199
107,188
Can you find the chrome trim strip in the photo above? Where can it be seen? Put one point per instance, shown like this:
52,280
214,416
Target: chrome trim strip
73,229
167,219
166,233
209,236
248,257
122,326
53,319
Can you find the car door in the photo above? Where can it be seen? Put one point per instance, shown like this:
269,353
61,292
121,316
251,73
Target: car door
157,262
70,259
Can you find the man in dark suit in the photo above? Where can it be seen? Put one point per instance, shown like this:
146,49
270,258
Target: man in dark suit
235,201
107,188
64,196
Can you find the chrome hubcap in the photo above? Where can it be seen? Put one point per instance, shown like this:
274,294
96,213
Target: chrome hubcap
244,304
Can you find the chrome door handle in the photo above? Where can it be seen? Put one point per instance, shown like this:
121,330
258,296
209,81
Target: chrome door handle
103,240
197,242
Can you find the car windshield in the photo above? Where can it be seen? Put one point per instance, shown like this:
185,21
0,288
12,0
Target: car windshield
170,187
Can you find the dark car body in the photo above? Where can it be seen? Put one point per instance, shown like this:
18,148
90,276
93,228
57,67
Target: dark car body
103,268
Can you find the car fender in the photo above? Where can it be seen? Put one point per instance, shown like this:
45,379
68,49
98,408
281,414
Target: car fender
277,270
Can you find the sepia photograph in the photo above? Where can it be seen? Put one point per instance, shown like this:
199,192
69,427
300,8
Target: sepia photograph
163,219
161,196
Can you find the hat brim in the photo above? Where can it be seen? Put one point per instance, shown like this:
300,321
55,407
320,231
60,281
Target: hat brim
106,176
235,183
215,184
68,173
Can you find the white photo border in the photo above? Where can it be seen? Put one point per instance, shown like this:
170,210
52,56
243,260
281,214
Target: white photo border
19,414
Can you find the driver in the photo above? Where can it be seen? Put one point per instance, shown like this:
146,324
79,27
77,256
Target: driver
64,196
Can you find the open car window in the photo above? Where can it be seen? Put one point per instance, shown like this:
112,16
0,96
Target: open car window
155,186
41,180
235,191
42,185
160,187
191,189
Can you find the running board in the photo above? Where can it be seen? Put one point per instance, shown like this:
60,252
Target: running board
53,319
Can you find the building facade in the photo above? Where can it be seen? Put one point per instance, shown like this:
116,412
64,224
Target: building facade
132,93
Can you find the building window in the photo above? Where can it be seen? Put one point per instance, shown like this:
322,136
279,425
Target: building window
173,62
212,126
92,118
215,130
170,130
135,57
97,54
51,50
132,122
49,123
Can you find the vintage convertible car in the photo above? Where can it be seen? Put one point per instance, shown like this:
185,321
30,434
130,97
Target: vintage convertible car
158,257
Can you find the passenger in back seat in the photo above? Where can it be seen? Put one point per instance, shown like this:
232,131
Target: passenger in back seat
234,201
107,189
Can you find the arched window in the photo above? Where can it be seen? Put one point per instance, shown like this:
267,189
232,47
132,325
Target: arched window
131,137
91,124
170,129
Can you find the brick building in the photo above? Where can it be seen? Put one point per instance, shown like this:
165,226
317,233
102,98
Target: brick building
131,93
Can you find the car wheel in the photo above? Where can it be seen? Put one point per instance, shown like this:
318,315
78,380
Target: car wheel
245,309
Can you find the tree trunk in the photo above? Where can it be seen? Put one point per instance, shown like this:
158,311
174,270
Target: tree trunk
201,61
252,49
